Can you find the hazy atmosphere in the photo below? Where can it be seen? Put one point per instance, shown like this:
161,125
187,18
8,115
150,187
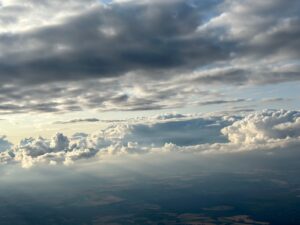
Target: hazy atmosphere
149,112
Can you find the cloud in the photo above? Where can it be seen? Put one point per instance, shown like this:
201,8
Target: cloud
140,55
139,136
190,131
166,134
264,127
4,144
112,45
55,151
275,100
217,102
88,120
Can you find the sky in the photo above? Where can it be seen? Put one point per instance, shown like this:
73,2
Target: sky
78,77
149,112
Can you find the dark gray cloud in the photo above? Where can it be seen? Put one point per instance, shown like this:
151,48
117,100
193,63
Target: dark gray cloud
275,100
182,133
137,55
110,41
126,94
88,120
218,102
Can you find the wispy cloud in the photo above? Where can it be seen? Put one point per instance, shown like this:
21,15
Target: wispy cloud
88,120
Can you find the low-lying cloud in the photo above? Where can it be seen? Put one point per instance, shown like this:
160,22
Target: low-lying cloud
189,134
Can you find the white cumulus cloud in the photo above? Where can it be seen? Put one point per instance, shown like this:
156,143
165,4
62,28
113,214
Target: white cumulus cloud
264,127
187,134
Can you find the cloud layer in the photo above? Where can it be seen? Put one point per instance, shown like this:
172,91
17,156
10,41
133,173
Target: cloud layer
133,55
163,135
